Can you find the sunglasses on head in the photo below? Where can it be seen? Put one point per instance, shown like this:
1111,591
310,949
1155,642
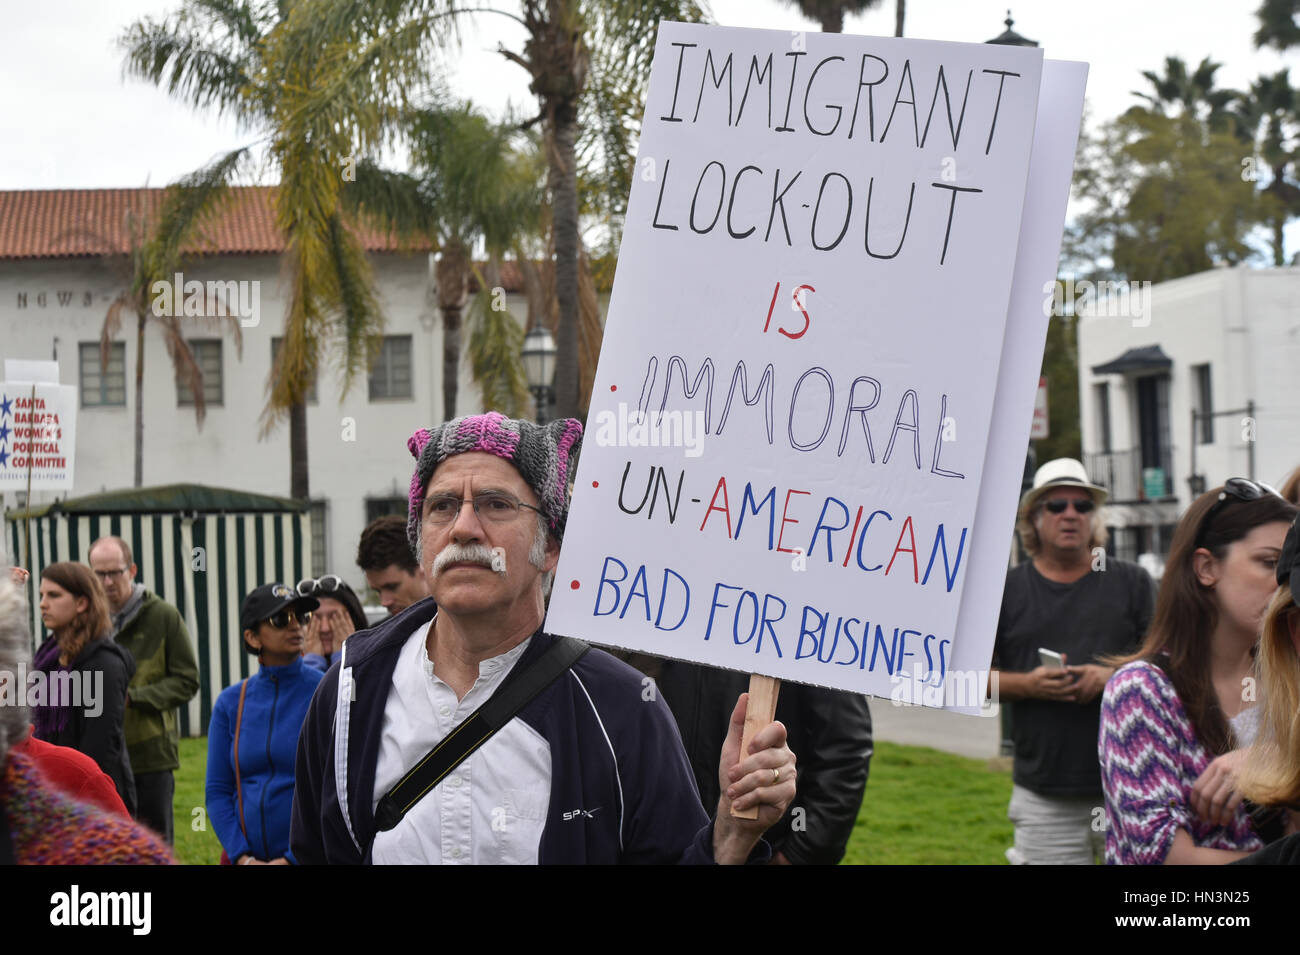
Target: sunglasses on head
280,619
1059,505
309,587
1234,489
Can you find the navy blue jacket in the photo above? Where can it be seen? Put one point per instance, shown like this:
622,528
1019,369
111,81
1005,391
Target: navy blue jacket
614,744
274,706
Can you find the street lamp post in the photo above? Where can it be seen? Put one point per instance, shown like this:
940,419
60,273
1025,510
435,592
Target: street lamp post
1197,483
539,367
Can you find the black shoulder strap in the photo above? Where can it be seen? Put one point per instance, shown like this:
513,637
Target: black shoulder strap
476,730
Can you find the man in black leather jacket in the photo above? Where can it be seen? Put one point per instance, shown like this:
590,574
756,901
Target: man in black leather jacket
829,729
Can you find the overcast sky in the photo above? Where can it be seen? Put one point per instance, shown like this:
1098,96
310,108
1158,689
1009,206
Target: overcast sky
69,120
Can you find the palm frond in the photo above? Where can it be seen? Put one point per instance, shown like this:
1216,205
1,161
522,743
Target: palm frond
361,321
183,361
190,204
112,325
495,345
199,56
395,201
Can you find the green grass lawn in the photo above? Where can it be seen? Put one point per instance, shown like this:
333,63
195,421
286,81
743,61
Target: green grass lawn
922,807
196,843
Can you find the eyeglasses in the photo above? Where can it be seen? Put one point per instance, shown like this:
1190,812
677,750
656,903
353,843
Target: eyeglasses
309,587
1059,505
1235,489
107,575
490,505
280,619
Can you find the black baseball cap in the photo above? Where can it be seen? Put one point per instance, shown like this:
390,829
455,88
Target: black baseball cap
267,600
1288,565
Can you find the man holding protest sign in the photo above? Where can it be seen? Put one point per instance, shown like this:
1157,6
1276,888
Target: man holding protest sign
830,729
541,752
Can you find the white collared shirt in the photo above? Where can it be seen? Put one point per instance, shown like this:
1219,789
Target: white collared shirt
491,809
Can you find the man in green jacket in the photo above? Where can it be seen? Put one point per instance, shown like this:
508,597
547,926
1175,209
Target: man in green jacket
166,677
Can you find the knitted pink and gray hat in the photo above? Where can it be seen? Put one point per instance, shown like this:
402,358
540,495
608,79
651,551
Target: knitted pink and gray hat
543,455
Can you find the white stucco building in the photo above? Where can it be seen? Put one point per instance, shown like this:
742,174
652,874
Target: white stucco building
1224,344
55,290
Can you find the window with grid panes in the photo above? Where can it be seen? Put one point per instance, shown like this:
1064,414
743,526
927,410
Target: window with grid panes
377,507
102,386
318,554
1204,404
390,377
207,352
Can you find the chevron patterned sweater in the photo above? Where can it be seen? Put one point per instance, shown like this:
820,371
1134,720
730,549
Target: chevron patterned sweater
1150,758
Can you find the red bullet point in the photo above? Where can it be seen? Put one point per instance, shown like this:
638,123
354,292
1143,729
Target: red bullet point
595,484
575,585
613,387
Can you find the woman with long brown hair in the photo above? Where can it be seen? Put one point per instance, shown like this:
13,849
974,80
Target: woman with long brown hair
1271,776
1175,717
80,675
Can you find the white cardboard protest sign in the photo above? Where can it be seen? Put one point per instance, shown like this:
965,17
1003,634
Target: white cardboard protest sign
1060,108
38,432
783,459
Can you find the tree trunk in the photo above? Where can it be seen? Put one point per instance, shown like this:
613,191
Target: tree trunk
563,182
139,400
590,332
450,359
833,20
900,7
299,488
1279,218
534,293
452,275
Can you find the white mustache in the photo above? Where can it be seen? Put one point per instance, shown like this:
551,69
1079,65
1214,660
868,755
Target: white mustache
468,554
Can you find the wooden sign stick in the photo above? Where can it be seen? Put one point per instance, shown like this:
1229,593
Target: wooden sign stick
760,711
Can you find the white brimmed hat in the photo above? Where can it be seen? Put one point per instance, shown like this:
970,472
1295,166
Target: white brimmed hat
1061,472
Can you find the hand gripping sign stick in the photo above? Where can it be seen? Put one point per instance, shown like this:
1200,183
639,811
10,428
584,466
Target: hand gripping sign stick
759,712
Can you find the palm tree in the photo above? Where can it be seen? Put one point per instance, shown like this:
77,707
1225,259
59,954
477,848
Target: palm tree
1268,117
588,61
495,347
469,184
147,257
1193,93
1277,24
229,55
830,13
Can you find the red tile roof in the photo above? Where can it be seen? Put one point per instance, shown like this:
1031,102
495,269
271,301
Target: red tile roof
70,223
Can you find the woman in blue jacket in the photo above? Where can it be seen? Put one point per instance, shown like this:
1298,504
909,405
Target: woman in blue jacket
253,736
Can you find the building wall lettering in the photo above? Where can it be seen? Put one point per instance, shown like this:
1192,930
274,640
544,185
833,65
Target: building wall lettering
63,297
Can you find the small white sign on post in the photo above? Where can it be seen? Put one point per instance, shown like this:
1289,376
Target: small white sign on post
38,428
783,456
